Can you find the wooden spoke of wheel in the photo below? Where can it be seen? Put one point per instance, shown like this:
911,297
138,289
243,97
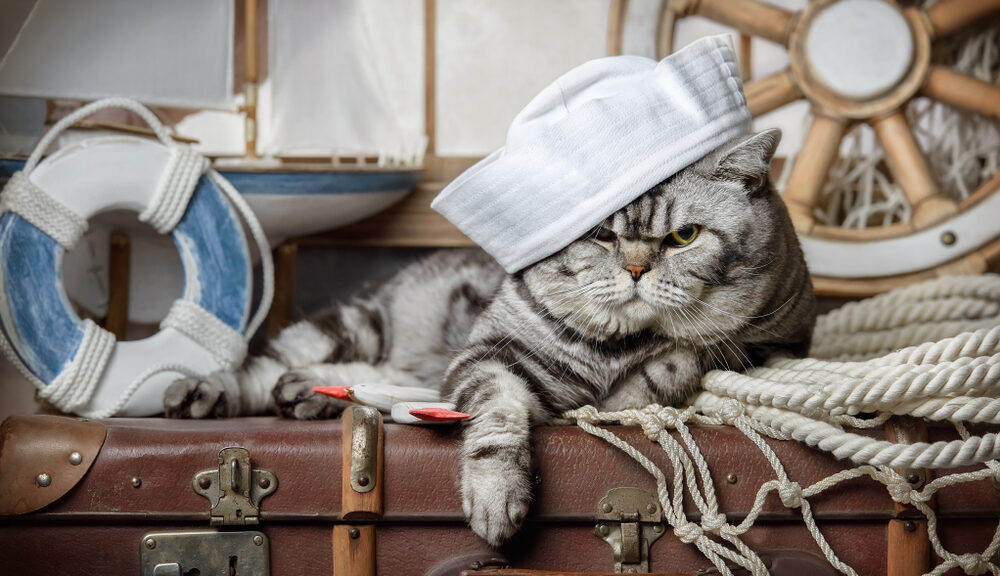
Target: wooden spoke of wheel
805,183
617,14
771,92
952,16
910,169
749,17
962,91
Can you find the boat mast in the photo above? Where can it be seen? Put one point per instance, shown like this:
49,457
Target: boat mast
250,76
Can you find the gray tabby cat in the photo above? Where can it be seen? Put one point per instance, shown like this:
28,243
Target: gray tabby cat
703,271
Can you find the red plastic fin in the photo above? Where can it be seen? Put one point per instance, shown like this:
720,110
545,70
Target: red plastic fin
438,415
340,392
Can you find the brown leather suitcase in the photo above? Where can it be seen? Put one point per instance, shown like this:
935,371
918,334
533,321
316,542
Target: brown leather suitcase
142,496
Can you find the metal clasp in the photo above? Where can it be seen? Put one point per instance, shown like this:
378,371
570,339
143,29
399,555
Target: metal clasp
629,520
234,488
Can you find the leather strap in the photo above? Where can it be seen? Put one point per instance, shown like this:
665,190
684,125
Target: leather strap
42,457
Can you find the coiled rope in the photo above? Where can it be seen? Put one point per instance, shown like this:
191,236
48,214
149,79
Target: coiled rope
869,357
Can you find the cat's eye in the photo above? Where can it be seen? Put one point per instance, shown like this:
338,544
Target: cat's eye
605,235
683,236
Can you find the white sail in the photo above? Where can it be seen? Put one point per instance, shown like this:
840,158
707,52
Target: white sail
175,53
356,66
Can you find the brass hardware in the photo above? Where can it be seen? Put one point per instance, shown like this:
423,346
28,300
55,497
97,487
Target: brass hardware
75,458
629,520
43,480
364,448
948,238
136,482
732,478
204,552
239,503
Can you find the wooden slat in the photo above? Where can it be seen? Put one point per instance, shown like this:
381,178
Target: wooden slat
119,265
411,222
911,171
909,552
280,314
356,505
962,91
665,30
953,16
771,92
746,57
430,75
805,183
354,556
750,17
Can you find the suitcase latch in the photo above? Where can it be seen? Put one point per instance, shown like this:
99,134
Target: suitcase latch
630,520
204,553
234,488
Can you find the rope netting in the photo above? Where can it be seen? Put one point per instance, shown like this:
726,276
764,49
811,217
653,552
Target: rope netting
930,350
963,149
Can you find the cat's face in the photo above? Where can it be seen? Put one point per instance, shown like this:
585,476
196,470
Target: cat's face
684,259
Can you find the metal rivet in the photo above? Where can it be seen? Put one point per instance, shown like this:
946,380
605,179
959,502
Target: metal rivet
150,543
913,478
258,540
731,478
658,528
602,529
136,481
205,482
43,480
948,238
264,483
75,459
362,481
354,533
538,479
910,526
651,508
476,565
606,507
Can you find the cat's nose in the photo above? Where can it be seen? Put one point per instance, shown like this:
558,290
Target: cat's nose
636,270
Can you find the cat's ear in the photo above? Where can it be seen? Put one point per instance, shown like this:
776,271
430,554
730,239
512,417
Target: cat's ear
750,160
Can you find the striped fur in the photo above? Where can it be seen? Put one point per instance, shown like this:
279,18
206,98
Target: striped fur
576,328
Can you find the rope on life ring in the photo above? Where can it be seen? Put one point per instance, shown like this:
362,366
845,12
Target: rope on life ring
73,387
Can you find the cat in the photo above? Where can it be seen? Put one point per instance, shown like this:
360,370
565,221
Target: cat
702,271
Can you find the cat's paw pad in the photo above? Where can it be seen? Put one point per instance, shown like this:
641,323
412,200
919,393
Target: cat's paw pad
294,397
212,396
495,497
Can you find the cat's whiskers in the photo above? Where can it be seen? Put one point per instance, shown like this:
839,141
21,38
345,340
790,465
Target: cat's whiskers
721,337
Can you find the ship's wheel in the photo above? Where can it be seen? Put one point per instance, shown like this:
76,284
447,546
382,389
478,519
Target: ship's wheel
863,61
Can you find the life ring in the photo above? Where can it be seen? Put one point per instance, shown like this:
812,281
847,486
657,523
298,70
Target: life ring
77,366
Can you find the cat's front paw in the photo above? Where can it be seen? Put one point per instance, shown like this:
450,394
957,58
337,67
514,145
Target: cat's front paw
294,397
495,497
212,396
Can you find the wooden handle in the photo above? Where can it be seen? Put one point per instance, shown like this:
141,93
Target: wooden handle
912,172
962,91
355,504
771,92
617,15
952,16
805,183
353,550
750,17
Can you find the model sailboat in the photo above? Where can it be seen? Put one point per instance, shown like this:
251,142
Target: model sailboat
324,145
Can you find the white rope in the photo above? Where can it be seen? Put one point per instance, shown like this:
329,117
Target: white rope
177,184
75,386
214,335
22,197
955,378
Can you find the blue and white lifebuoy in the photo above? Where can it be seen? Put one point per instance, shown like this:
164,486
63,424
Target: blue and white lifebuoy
43,211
